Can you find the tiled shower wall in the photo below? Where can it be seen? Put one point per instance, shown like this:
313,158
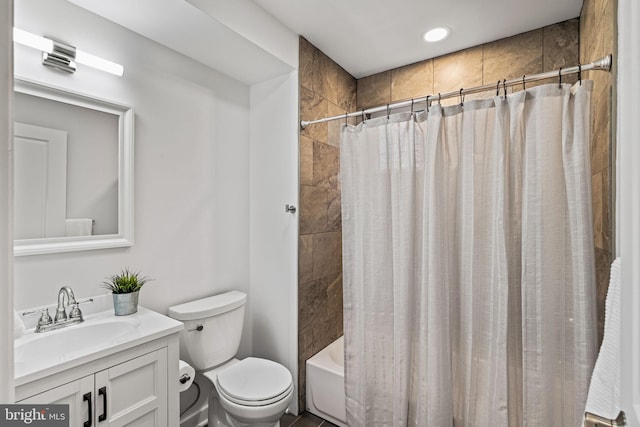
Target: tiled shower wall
327,90
597,39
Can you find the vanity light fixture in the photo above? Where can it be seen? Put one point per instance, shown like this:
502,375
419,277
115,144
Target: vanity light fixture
63,56
436,34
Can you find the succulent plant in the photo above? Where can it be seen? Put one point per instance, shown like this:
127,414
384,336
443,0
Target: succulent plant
126,282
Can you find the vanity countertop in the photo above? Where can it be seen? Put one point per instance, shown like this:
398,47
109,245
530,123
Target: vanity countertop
101,334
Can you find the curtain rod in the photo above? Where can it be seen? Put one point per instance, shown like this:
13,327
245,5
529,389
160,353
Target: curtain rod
603,64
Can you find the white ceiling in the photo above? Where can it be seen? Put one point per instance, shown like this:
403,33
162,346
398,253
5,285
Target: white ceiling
363,36
369,36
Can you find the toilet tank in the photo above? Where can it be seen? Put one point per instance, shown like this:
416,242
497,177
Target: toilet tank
212,328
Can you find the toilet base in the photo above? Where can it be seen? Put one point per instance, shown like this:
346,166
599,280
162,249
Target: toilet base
218,417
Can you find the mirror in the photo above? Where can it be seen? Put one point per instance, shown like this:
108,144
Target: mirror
73,171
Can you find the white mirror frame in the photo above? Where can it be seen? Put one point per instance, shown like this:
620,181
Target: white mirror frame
124,237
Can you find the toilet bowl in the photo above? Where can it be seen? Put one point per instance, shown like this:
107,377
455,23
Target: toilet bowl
252,392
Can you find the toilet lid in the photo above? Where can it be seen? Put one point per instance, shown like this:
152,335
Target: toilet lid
254,380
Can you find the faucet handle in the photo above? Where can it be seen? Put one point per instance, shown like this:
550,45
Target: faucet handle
45,318
75,312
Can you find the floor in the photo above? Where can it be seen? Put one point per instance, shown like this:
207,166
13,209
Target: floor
304,420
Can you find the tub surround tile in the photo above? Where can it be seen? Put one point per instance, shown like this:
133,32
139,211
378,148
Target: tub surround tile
313,209
561,44
598,38
374,90
306,59
312,107
412,81
335,126
327,254
603,267
334,210
457,70
306,161
313,304
326,165
326,89
305,258
346,90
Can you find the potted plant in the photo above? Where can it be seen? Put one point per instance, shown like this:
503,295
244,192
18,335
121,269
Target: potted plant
125,288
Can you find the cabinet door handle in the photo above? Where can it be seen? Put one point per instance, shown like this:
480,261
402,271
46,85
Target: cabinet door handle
87,397
103,391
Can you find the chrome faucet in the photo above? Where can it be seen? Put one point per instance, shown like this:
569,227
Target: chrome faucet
61,319
61,314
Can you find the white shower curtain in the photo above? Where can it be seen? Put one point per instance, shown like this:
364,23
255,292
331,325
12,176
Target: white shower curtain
469,263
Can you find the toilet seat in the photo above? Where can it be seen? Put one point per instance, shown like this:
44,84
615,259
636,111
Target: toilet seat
254,382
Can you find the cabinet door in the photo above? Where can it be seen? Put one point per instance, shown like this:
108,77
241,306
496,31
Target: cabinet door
77,394
133,393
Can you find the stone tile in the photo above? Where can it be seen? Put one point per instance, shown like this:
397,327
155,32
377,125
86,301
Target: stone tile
597,197
324,333
335,126
313,304
312,107
601,122
302,387
562,47
412,81
306,161
305,340
561,43
334,296
334,210
603,262
330,75
308,420
307,53
287,420
346,90
327,254
305,258
457,70
374,90
587,28
326,165
607,227
513,57
313,209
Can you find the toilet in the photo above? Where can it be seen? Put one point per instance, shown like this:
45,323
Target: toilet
250,392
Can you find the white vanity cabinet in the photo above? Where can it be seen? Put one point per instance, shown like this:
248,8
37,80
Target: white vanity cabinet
133,393
136,385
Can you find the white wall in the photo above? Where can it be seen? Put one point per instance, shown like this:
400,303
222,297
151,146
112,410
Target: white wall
6,235
191,166
274,232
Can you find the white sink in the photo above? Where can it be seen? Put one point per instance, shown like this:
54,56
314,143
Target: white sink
100,334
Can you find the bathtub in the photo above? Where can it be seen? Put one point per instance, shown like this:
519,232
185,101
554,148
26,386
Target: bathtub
325,383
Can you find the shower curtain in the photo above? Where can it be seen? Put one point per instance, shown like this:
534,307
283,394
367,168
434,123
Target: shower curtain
468,262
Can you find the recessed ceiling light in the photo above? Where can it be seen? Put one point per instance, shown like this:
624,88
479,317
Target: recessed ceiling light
436,34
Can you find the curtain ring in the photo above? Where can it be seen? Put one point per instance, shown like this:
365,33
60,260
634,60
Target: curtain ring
461,97
428,102
580,73
364,116
524,87
504,87
498,88
346,122
439,98
388,112
412,106
560,78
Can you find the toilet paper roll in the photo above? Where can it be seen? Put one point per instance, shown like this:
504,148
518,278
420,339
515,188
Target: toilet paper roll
186,375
